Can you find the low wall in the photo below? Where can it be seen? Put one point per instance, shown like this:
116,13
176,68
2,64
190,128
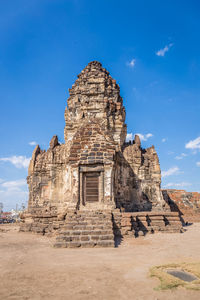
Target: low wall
187,204
124,223
45,224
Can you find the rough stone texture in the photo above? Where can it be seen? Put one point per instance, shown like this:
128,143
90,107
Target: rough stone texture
86,229
95,96
138,172
140,223
186,203
101,228
62,178
54,142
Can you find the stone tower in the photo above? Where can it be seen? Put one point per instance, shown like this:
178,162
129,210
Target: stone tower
95,169
95,96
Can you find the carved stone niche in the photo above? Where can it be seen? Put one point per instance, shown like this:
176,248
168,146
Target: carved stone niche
91,178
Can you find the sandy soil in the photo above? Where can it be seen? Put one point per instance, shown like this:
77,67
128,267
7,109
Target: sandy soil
30,268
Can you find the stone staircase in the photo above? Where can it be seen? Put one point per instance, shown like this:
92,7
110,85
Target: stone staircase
137,224
86,229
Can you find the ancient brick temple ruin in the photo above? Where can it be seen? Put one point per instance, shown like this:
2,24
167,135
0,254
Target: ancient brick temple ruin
96,186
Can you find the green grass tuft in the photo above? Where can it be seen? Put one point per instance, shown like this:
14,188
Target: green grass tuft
168,281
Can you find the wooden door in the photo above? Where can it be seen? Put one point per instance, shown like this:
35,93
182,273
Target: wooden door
91,186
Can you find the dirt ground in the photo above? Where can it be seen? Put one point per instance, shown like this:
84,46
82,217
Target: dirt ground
30,268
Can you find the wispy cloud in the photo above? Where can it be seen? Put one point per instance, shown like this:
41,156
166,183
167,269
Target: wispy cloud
131,63
198,164
164,140
193,144
144,137
14,184
162,51
18,161
33,143
129,137
181,156
180,184
152,84
171,171
170,152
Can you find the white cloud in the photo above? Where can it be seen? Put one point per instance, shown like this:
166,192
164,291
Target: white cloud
13,184
164,140
11,197
181,156
198,164
131,63
180,184
129,137
17,161
171,171
144,137
193,144
33,143
13,192
162,51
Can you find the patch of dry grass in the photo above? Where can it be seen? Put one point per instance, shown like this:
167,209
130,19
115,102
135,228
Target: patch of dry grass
168,281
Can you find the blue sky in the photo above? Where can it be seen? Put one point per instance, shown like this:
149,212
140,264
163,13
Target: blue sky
150,47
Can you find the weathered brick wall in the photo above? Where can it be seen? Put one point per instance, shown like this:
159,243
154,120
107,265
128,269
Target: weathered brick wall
187,203
44,224
46,174
91,145
139,175
95,95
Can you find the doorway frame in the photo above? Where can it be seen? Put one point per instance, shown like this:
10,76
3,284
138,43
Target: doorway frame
83,169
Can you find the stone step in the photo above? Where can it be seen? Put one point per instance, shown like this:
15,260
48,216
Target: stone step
175,222
85,227
105,243
85,244
84,238
174,226
85,232
88,218
88,223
